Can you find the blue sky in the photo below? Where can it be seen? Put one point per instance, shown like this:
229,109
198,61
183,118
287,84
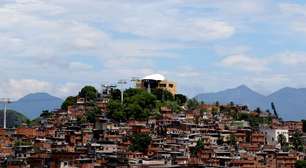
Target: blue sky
58,46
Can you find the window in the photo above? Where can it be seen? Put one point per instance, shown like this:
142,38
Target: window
162,85
171,85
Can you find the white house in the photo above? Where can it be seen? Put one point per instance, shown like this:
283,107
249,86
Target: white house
271,135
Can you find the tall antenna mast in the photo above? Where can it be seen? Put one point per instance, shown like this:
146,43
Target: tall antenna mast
5,101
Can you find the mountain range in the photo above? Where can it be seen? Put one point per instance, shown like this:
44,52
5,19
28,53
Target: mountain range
290,102
33,104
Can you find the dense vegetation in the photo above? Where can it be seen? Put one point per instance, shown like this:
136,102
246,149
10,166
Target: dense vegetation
199,146
91,94
300,164
297,141
140,142
71,100
139,104
254,120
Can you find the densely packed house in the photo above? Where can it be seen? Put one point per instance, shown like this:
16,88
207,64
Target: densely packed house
210,135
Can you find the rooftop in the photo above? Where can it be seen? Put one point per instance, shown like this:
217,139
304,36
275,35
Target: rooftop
155,77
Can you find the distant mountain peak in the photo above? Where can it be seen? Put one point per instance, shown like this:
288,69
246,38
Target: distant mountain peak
33,104
38,94
244,87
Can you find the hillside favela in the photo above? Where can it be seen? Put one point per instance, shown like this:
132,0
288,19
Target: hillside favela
152,83
149,125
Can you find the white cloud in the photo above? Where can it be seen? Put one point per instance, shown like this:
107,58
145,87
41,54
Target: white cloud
187,72
199,29
292,58
154,19
299,26
45,41
68,89
241,61
78,66
296,16
293,9
15,88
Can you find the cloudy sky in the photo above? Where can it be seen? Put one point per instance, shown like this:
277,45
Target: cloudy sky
58,46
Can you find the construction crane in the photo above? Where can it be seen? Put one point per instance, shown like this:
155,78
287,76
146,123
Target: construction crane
274,109
5,101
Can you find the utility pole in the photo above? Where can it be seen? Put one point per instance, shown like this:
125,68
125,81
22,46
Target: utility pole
121,83
5,101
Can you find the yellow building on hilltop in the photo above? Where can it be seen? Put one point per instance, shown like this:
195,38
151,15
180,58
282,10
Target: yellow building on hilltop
156,81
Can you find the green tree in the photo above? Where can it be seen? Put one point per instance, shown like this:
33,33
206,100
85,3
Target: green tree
199,146
45,114
89,92
192,104
116,94
132,92
297,141
300,164
135,111
140,142
115,110
29,122
92,113
163,95
173,105
71,100
81,120
180,99
282,140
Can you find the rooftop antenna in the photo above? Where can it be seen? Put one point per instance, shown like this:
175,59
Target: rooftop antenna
121,83
5,101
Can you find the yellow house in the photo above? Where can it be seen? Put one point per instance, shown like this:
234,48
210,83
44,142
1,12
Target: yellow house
156,81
